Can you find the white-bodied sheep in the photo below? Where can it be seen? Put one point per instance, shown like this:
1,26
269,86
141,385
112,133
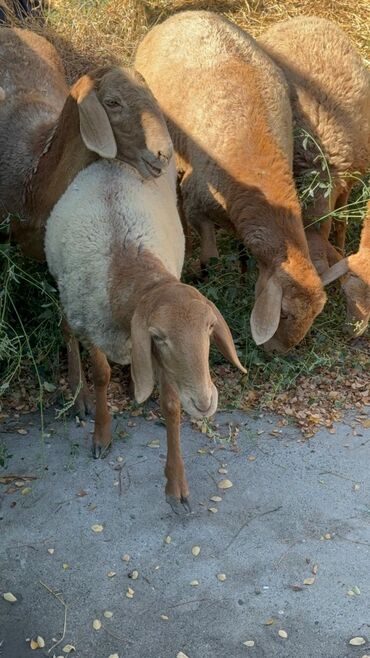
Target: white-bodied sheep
115,245
48,134
229,116
330,96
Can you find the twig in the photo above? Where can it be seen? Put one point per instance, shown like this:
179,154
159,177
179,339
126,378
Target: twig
354,541
256,516
59,598
116,637
5,479
337,475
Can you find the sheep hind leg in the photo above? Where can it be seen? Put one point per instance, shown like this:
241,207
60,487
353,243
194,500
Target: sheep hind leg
177,490
102,437
83,403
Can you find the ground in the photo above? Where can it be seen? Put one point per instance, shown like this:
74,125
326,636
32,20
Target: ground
297,510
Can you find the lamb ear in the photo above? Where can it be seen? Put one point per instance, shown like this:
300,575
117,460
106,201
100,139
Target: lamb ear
95,128
141,358
224,340
265,316
335,271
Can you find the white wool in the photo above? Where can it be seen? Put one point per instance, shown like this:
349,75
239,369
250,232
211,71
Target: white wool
107,206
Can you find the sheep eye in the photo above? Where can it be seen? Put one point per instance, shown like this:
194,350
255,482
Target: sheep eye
113,103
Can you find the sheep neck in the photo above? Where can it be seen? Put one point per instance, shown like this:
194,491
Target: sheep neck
135,275
63,155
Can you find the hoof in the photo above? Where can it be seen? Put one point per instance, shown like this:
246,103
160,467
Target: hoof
179,506
100,452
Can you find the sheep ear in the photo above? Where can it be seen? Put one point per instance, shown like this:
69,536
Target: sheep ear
335,271
265,316
95,128
224,340
141,358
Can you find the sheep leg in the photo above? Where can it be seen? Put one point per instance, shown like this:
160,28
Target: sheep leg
83,401
340,226
177,489
102,437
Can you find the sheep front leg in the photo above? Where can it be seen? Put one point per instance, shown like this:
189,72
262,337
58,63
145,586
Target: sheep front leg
177,489
76,377
102,437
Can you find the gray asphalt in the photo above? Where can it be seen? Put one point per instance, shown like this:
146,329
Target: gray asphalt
266,537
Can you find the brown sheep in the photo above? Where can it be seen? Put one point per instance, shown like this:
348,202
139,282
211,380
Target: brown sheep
330,97
229,117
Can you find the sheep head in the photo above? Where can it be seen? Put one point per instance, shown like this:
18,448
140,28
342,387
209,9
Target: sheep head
355,273
172,327
288,299
120,118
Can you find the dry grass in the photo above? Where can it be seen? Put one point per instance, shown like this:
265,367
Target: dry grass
91,32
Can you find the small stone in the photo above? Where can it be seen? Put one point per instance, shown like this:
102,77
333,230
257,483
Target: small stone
194,583
225,484
111,574
214,510
96,624
120,460
357,641
108,614
168,539
222,471
283,634
51,551
249,643
126,557
221,577
164,617
133,574
195,551
216,499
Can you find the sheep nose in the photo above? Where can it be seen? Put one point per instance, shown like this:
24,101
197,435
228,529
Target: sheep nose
202,404
165,155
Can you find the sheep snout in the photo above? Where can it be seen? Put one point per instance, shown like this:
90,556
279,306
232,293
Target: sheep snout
202,403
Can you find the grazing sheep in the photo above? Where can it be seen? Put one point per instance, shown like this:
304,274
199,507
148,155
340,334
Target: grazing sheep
48,134
229,117
330,97
115,245
356,283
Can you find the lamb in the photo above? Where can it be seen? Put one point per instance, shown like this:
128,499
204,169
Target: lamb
228,113
49,133
330,97
115,246
355,270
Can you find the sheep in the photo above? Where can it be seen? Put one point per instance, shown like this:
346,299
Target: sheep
355,270
115,246
48,133
330,96
229,116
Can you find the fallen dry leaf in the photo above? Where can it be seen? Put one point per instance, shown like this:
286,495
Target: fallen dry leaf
168,539
153,444
357,641
34,645
283,634
366,423
22,431
222,471
111,574
214,510
8,596
69,648
225,484
309,581
216,499
181,654
126,557
108,614
97,527
51,551
164,617
65,566
194,583
270,621
113,655
26,491
133,574
40,641
96,624
249,643
251,458
221,577
195,551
